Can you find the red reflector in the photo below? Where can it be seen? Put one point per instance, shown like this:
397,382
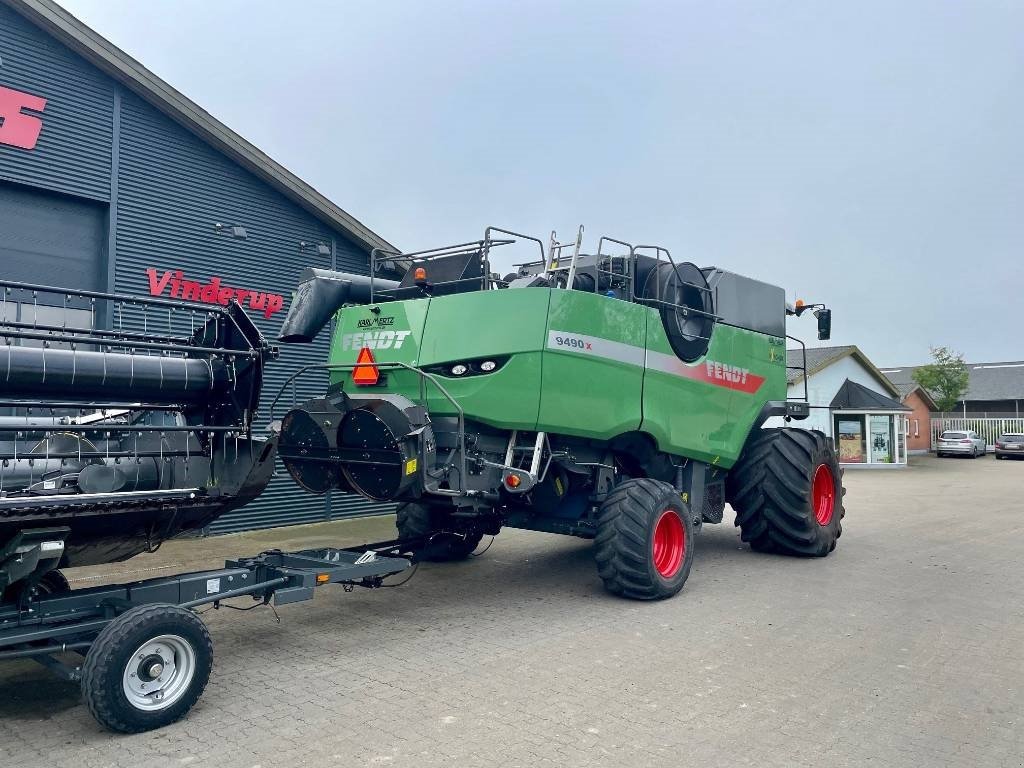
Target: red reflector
365,371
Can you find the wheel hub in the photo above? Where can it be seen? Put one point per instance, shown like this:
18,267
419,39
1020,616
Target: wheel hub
823,494
669,544
151,668
159,673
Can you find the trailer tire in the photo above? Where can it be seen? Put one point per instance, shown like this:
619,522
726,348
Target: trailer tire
787,490
145,640
415,521
645,540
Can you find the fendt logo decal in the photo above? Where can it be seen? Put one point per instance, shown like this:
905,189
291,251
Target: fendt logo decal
212,292
374,339
708,372
18,129
722,375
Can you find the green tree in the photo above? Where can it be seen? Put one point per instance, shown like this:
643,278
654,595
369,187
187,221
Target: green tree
945,379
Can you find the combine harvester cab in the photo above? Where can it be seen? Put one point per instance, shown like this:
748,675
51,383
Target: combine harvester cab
120,432
616,395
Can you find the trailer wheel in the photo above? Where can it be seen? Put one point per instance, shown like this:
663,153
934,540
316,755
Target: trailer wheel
416,521
147,668
645,540
787,490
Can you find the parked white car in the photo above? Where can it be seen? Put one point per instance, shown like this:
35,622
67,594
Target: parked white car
960,443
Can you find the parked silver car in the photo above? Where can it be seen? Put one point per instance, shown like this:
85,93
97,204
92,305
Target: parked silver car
960,443
1010,445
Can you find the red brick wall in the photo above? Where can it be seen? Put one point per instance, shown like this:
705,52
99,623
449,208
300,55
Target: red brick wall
918,433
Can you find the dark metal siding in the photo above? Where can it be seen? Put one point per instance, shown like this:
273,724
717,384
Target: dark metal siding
172,190
45,234
73,151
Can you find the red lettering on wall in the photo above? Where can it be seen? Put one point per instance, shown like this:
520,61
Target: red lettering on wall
16,128
212,292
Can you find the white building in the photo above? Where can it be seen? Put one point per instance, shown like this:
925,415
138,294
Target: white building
853,403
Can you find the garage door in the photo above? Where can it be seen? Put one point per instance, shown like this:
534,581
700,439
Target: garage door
52,239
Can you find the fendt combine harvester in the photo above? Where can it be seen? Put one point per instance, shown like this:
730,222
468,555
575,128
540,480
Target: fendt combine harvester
617,396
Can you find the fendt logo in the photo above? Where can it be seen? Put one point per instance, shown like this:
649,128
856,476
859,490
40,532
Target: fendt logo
212,292
374,339
723,372
18,129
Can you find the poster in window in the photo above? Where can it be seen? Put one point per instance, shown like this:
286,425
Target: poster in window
851,440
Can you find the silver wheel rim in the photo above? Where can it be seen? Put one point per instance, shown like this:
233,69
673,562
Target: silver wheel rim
159,673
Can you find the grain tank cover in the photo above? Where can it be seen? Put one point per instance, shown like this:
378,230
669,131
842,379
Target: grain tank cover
747,303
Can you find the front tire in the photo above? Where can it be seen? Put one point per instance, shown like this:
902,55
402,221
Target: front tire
418,521
787,492
645,540
147,668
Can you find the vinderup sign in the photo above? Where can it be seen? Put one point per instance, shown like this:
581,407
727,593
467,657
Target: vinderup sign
173,284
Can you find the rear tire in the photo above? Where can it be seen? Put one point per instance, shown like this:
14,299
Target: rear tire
415,521
645,540
787,492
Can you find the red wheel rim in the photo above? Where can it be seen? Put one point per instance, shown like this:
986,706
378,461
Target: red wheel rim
823,494
669,544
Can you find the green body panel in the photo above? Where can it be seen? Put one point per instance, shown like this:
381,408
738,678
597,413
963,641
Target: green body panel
587,395
578,364
765,356
703,414
450,329
357,327
683,415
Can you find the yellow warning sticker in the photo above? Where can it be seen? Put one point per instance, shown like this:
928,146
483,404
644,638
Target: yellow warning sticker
410,467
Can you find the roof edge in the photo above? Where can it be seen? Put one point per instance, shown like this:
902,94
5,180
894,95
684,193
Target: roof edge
926,395
100,52
854,351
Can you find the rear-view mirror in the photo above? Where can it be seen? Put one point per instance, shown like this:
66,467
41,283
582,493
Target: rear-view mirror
824,324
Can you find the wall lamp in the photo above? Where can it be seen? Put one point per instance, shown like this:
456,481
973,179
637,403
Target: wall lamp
233,230
321,248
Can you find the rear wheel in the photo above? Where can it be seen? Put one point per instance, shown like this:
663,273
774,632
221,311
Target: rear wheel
645,540
787,492
443,542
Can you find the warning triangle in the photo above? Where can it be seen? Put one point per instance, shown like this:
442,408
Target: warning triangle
365,372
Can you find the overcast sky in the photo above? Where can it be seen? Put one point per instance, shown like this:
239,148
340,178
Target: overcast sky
869,155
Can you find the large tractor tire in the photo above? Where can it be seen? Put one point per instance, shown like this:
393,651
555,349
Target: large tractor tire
645,540
787,491
418,521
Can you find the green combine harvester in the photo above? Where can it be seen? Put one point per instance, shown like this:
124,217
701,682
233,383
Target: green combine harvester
616,396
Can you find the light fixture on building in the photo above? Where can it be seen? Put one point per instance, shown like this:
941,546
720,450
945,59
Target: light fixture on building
233,230
321,248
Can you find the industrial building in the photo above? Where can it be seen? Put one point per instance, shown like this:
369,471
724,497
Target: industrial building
111,180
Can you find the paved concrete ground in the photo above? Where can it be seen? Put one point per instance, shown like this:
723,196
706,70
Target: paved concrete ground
905,647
